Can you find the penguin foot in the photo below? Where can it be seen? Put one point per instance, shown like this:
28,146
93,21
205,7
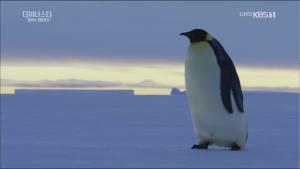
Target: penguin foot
235,147
201,146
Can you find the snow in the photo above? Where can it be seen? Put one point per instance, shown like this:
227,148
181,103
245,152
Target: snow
94,130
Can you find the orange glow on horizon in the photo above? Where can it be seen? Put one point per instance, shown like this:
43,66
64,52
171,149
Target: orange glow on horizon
166,75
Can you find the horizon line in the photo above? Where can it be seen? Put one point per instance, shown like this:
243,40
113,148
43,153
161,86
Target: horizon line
137,92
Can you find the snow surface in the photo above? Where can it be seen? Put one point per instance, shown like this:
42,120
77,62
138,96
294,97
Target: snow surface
90,130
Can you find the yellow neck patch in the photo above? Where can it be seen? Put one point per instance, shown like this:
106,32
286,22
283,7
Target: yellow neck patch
208,37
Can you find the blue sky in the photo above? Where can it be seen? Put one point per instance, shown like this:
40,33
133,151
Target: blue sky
145,31
136,45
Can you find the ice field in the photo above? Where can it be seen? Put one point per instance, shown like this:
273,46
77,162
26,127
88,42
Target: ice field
94,129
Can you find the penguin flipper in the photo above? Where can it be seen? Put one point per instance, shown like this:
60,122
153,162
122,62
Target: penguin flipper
225,90
229,78
237,92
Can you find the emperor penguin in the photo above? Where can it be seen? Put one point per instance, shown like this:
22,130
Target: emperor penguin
214,93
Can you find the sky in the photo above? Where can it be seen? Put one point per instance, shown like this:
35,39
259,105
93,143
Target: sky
135,45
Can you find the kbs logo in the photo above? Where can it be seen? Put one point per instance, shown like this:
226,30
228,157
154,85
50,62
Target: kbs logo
259,14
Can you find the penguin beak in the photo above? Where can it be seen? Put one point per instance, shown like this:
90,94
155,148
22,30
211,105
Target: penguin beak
184,34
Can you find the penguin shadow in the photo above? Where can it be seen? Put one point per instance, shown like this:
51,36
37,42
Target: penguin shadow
213,148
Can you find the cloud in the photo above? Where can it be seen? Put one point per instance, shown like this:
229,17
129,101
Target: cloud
274,89
147,84
76,83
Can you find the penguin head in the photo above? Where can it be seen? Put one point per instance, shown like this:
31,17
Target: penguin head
197,35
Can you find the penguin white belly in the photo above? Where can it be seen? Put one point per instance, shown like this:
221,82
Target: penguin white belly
212,123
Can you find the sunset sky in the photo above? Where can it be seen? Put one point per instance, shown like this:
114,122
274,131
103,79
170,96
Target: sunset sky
135,45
